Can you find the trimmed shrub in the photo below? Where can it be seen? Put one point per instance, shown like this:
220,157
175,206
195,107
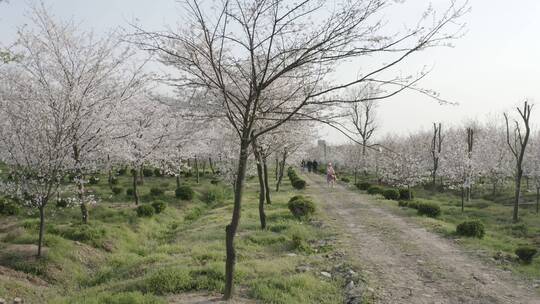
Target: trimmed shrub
299,184
184,192
116,190
9,208
363,186
145,211
62,203
526,253
147,172
391,194
345,179
94,180
159,206
375,190
406,194
429,209
301,207
403,203
188,174
154,191
130,192
214,181
473,228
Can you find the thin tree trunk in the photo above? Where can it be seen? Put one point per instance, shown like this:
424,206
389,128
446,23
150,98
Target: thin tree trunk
262,188
141,175
230,230
177,181
515,215
462,199
537,199
266,183
277,168
203,168
281,170
355,175
197,169
135,191
41,229
211,165
80,184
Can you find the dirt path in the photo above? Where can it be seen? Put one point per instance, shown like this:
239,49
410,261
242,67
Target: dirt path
409,264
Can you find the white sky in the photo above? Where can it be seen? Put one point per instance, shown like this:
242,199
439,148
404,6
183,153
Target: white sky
490,70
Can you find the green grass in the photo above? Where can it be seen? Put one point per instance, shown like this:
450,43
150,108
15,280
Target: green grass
121,258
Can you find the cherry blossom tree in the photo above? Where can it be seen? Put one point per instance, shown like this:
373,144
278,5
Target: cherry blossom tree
35,140
91,79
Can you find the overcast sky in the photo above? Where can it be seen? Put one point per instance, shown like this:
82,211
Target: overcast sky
491,69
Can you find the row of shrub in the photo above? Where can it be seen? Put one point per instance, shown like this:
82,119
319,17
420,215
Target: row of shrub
184,192
148,210
390,193
424,208
296,181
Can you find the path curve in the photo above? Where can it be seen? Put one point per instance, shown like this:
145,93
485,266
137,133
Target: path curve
409,264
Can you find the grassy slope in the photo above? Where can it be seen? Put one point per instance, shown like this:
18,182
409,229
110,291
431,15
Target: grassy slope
502,236
121,258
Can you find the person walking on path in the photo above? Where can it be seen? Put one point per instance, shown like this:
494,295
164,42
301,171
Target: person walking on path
330,175
314,164
309,165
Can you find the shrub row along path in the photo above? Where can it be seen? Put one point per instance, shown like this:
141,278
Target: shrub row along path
408,264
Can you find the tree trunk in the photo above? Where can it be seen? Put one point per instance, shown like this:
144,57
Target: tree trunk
177,181
515,215
141,175
110,178
281,170
203,168
277,168
211,166
266,183
262,188
135,191
230,230
80,183
197,169
41,228
355,175
537,199
462,199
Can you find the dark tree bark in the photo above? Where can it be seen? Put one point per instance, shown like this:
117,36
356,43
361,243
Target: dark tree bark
41,229
177,181
266,183
211,164
281,169
436,146
135,190
230,230
197,169
262,187
537,199
470,143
